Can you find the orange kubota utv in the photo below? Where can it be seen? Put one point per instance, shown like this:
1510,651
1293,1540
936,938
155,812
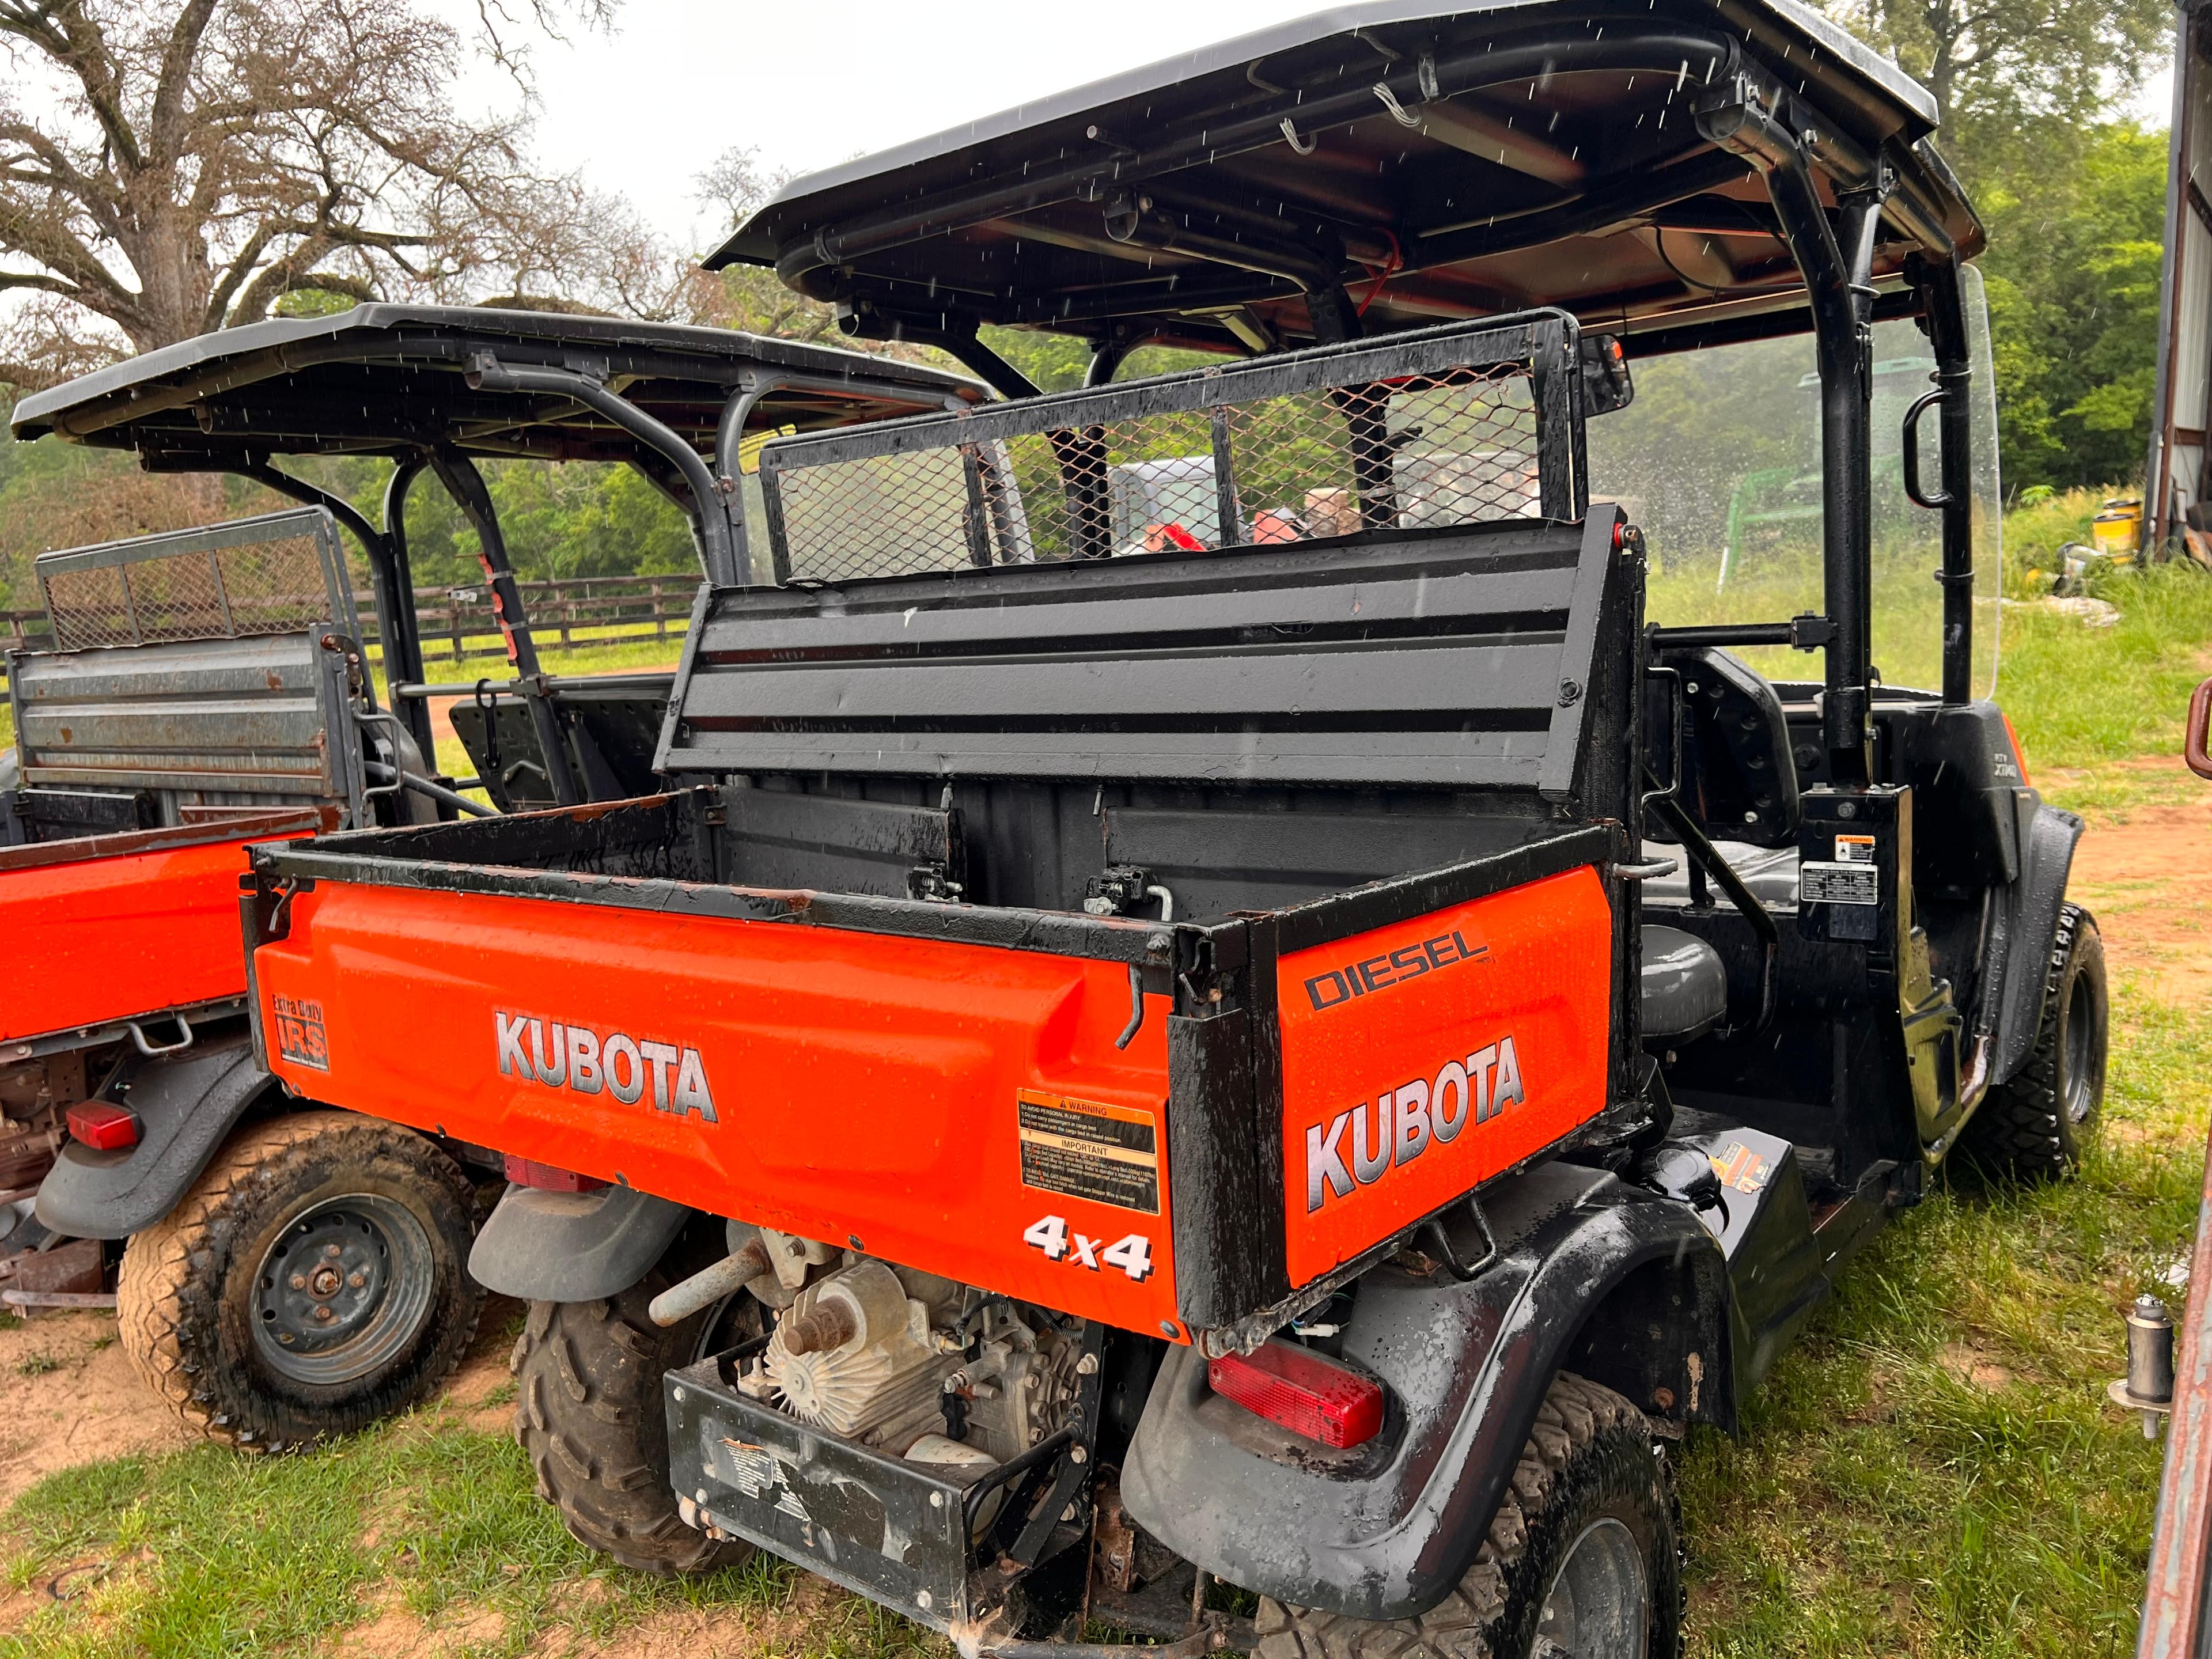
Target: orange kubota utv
1216,1033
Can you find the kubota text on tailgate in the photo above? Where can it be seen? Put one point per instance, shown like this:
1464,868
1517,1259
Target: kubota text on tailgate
1407,1119
585,1060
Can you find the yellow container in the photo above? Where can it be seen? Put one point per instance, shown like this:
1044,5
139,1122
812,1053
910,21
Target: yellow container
2117,531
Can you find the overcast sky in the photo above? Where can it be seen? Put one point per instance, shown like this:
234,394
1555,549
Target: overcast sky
812,82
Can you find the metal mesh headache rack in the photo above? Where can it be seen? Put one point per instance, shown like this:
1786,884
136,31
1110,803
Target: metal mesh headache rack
277,573
1458,425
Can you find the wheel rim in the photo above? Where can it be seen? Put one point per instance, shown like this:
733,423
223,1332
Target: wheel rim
344,1290
2080,1050
1599,1604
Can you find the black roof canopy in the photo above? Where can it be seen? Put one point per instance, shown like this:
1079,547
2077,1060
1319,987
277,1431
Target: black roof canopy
390,380
1435,163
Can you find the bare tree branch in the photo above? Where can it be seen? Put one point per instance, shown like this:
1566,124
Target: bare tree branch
207,157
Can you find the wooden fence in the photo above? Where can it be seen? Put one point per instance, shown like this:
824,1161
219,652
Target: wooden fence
458,622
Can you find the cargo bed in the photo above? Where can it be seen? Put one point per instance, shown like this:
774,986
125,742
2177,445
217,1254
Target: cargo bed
1157,936
941,1081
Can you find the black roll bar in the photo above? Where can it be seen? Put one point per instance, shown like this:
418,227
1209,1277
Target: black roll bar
466,486
1835,259
387,570
1943,304
403,644
708,512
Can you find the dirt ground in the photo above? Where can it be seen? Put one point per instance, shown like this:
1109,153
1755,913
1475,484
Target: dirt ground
68,1396
2145,880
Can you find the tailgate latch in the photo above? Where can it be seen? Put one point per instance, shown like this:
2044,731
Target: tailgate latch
933,883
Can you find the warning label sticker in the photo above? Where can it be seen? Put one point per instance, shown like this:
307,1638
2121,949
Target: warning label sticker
300,1035
1109,1154
1839,884
1855,849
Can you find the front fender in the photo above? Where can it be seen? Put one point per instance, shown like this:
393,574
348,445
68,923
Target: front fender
2046,861
186,1105
1386,1531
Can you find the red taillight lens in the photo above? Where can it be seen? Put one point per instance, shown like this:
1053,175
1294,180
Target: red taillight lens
1306,1392
103,1127
547,1177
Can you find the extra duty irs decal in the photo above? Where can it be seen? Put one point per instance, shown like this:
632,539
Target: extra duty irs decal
301,1037
586,1061
1109,1154
1405,1121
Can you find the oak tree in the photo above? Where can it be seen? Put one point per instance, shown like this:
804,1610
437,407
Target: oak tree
168,167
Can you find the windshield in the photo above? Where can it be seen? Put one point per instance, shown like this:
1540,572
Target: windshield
1718,460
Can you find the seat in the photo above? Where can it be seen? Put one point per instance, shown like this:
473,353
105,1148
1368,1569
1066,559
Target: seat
1685,988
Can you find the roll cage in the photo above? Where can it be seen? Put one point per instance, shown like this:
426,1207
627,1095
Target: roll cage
1374,168
436,389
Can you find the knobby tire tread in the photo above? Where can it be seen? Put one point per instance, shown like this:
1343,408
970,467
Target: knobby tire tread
169,1291
588,1414
2018,1130
1579,1420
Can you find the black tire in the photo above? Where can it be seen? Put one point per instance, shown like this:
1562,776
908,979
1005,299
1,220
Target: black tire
205,1299
1590,1471
589,1413
2037,1124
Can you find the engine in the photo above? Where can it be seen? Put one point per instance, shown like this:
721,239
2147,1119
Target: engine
906,1363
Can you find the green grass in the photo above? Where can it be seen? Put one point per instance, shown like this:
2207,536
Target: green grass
205,1552
2079,696
590,656
1933,1468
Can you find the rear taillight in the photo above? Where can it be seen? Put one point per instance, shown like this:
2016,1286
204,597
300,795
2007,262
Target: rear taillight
103,1127
547,1177
1307,1392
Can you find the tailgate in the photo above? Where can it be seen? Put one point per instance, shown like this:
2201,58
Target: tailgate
858,1088
115,928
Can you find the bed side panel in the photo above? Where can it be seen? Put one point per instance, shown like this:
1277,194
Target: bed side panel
1423,1058
103,939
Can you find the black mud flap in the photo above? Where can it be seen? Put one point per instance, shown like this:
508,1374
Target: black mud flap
186,1104
2032,925
1618,1284
573,1247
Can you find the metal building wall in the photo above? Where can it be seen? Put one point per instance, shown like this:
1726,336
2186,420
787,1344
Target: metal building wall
2175,480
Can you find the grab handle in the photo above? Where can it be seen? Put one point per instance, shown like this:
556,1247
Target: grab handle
155,1049
1926,401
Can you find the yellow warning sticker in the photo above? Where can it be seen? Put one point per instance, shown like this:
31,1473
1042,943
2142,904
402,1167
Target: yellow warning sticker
1085,1149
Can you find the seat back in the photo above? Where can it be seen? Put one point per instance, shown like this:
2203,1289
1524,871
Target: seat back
1739,779
200,671
1455,660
